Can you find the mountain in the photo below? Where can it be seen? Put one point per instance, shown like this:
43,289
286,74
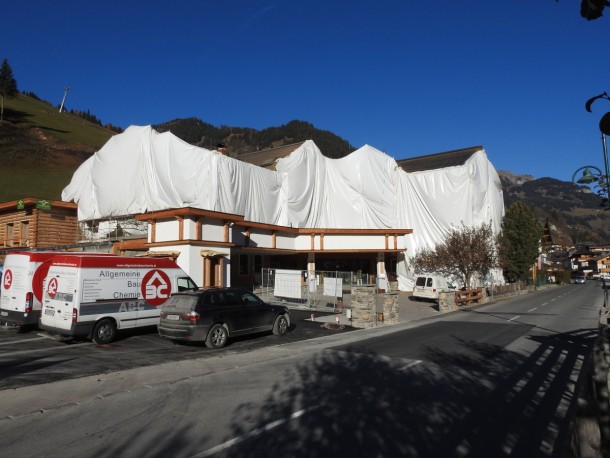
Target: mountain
41,148
574,213
241,140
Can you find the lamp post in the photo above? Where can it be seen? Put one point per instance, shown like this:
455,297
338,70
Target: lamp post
604,128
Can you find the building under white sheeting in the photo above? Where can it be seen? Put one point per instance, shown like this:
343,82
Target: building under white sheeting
142,171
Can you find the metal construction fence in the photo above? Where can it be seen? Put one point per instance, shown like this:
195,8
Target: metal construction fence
320,289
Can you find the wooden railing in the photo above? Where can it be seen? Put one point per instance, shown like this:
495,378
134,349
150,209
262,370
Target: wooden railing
468,296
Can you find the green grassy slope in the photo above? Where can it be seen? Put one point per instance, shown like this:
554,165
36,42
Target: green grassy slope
64,126
41,148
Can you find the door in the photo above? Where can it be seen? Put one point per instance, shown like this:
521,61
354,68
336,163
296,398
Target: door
260,315
59,301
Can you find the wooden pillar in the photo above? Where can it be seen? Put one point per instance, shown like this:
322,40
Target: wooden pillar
207,271
221,270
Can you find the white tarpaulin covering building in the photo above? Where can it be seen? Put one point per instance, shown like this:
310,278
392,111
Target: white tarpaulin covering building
142,170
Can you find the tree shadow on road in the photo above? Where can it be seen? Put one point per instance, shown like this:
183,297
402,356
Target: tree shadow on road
479,400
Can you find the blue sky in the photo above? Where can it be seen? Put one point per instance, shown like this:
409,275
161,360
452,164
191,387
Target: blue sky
408,77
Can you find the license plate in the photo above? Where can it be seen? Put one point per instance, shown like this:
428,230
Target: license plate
173,317
4,313
49,312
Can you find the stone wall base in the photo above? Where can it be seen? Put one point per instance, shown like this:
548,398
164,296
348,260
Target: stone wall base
370,309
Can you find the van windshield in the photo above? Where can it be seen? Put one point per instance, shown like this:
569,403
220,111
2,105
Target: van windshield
185,283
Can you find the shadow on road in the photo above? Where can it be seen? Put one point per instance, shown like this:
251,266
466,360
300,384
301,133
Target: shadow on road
478,401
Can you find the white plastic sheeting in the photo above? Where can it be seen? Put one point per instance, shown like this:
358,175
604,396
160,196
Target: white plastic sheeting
142,170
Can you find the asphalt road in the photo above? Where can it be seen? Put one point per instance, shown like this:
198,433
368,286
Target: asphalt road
35,357
499,380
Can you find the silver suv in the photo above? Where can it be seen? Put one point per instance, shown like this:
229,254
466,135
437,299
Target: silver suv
213,315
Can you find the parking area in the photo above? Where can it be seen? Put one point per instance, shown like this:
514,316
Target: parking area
34,357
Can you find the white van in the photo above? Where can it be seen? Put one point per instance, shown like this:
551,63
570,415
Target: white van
21,287
94,296
430,286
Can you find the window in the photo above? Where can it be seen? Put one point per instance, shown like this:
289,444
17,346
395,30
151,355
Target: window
258,263
232,298
243,264
211,299
249,298
185,283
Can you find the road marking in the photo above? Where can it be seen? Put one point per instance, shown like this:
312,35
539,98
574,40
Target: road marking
515,317
531,310
253,433
544,304
414,363
21,342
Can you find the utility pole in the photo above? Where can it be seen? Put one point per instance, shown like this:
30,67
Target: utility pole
66,89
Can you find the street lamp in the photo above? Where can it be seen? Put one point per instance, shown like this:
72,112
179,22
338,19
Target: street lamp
604,128
587,176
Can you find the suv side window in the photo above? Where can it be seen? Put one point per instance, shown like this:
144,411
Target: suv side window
232,298
249,298
212,299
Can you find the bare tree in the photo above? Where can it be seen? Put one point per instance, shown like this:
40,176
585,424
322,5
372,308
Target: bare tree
465,252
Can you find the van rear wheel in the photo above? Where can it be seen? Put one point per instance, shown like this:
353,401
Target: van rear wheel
104,331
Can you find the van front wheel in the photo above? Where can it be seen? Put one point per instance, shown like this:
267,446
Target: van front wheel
104,331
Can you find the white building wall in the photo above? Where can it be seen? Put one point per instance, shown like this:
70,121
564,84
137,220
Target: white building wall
189,229
213,230
302,242
261,240
166,231
286,243
351,242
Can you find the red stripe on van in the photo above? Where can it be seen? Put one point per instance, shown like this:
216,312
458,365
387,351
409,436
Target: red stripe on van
113,262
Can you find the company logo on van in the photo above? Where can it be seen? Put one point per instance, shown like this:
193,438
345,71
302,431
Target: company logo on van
156,287
8,279
52,287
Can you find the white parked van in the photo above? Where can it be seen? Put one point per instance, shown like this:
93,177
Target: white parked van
21,287
94,296
430,286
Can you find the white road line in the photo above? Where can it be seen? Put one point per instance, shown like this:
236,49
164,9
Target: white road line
515,317
21,342
544,304
531,310
253,433
414,363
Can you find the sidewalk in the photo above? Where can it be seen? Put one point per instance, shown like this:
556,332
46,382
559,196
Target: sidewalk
408,311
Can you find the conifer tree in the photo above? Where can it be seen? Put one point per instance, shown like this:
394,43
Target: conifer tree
519,241
8,85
